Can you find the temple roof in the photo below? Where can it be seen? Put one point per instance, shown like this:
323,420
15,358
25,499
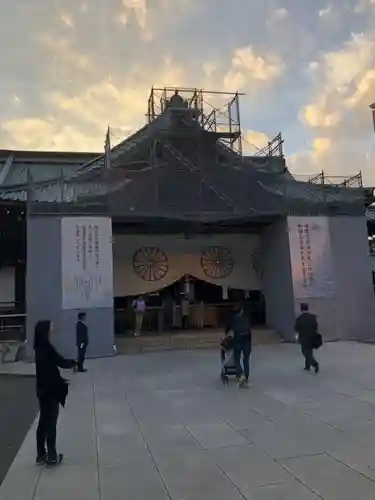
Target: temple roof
171,168
43,165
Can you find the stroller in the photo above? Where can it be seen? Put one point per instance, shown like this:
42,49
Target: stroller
228,365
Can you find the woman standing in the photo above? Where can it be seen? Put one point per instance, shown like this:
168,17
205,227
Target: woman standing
52,391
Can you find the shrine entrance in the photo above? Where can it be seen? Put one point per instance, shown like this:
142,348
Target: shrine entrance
209,307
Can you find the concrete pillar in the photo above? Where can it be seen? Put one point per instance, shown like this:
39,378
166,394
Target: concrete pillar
44,293
277,279
348,312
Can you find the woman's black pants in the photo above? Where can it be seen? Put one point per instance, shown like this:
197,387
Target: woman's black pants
46,431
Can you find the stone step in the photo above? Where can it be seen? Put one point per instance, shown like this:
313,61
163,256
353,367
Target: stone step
188,340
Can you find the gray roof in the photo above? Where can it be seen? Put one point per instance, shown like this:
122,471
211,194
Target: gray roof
217,185
43,165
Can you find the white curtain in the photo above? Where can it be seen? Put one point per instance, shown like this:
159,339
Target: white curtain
174,256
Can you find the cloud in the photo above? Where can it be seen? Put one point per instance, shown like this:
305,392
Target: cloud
121,104
343,78
338,115
151,18
254,141
48,134
249,67
62,54
280,13
138,8
67,20
326,12
77,116
363,6
316,115
277,16
16,100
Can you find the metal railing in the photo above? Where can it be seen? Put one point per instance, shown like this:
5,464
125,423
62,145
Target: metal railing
12,328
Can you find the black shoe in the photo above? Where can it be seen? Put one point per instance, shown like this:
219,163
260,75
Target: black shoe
317,368
41,459
54,462
82,371
306,369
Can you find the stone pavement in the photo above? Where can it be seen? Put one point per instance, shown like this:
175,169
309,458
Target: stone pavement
18,408
161,426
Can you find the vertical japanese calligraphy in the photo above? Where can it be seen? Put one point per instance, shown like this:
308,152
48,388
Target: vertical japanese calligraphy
87,263
310,254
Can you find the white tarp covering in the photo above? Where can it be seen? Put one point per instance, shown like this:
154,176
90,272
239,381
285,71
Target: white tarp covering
87,263
311,260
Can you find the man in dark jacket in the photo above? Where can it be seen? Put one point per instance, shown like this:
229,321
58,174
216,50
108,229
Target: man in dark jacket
239,324
82,338
307,328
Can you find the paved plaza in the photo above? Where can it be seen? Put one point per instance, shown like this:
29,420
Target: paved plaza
161,426
18,408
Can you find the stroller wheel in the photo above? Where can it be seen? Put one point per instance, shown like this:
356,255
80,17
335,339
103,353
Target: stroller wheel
224,378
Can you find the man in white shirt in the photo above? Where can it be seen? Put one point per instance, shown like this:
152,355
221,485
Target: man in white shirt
139,307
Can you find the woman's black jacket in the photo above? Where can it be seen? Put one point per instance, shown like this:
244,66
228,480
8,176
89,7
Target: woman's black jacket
49,382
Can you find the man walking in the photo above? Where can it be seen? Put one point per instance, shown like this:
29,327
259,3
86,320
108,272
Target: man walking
139,307
307,328
239,324
82,338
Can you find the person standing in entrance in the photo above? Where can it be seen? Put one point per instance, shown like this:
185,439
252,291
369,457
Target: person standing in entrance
52,391
185,312
239,324
82,338
307,328
139,307
200,308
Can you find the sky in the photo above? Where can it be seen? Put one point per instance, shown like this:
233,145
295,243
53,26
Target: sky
70,68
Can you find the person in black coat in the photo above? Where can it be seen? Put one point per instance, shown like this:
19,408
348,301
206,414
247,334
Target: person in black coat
307,328
82,339
52,391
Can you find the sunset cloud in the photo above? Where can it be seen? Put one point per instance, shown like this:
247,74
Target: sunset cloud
249,67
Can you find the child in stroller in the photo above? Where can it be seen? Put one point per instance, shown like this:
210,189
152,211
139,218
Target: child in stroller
228,365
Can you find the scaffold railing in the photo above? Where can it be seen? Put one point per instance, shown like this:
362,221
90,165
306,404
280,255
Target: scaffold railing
355,181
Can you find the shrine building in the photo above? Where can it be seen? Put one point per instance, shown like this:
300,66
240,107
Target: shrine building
177,209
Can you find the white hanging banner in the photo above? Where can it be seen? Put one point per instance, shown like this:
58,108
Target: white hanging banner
311,260
146,263
87,262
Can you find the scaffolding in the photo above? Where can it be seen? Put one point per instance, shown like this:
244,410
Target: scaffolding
196,112
273,147
355,181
